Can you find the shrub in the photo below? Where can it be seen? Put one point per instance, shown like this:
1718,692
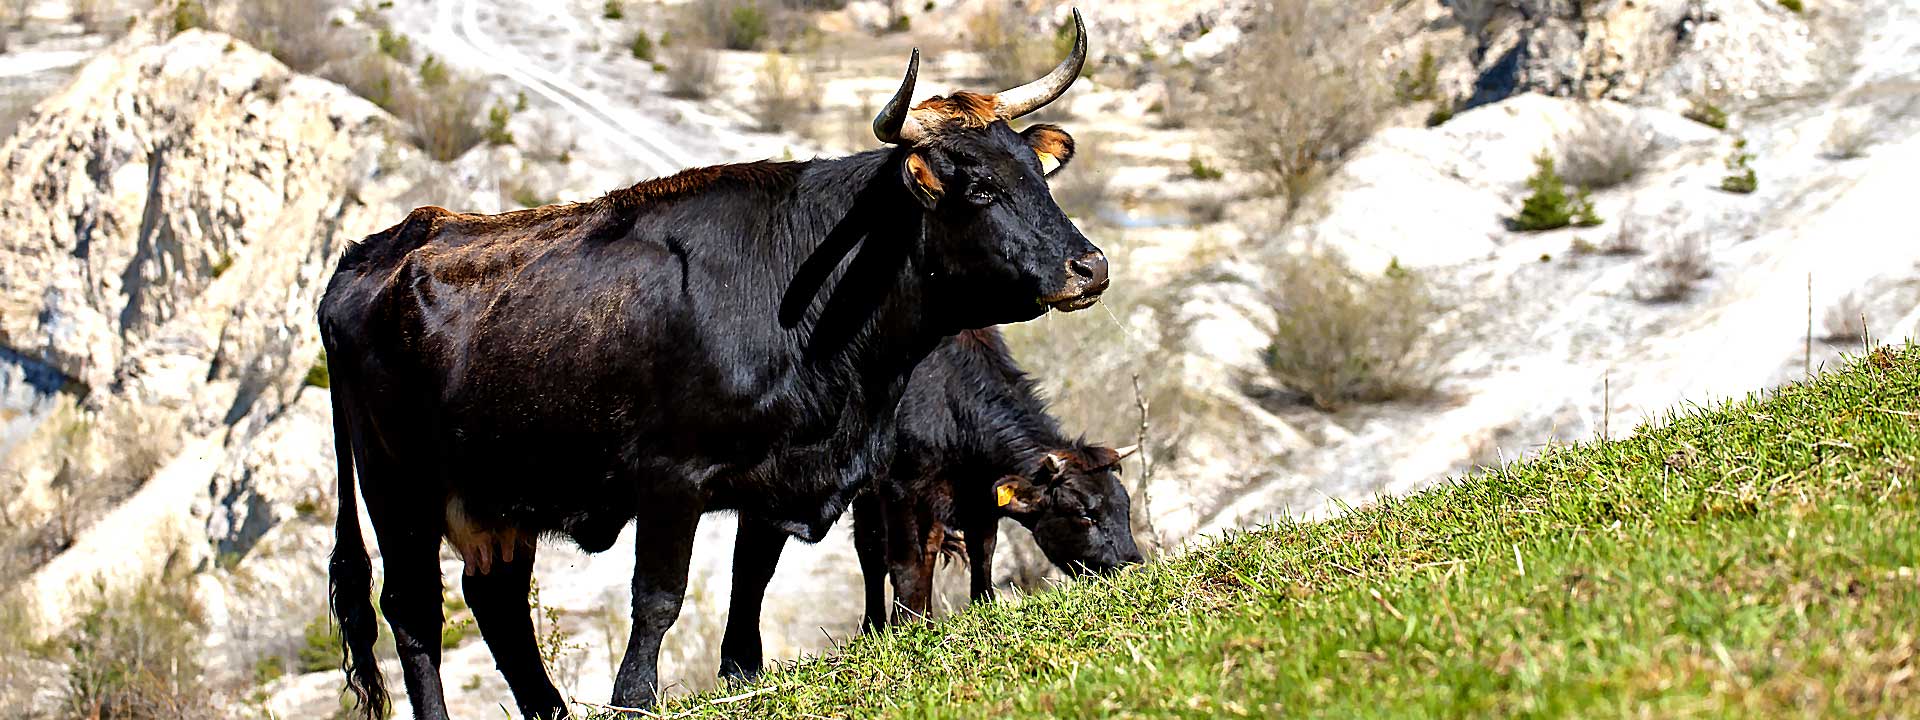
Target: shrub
1849,137
1706,113
1199,169
1308,92
641,46
395,45
527,197
736,24
444,118
1548,207
612,10
690,70
1011,52
323,649
520,101
434,73
133,655
1606,152
785,98
1846,320
497,118
1341,337
186,15
1420,83
1793,5
1442,112
318,374
1741,178
1673,270
295,32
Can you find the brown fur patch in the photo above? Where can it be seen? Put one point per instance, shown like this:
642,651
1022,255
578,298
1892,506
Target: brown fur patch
923,175
959,111
754,174
1050,140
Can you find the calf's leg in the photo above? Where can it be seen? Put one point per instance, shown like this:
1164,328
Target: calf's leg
499,602
981,539
756,552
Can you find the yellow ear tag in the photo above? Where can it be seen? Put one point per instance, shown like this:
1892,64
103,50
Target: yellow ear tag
1048,163
1003,495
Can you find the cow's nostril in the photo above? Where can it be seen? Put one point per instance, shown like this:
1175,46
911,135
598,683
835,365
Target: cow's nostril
1092,267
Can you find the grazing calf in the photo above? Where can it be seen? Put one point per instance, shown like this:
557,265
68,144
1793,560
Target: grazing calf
976,444
729,338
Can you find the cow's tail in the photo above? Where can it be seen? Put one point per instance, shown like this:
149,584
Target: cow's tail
350,578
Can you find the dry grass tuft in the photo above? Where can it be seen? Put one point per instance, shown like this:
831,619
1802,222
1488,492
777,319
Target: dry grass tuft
1309,90
1607,152
1846,320
786,97
1679,264
1342,337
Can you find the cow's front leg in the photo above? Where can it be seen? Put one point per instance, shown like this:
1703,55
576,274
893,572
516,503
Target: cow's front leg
663,545
981,539
756,552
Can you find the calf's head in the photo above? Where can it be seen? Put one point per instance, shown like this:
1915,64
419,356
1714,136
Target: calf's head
997,245
1076,507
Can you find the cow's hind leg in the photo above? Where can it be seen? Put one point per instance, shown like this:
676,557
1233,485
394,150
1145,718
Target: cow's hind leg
411,600
498,599
756,553
663,545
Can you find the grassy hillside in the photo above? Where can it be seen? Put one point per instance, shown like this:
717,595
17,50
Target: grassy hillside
1755,559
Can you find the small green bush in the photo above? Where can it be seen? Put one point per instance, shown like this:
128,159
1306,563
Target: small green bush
520,101
1442,112
1549,208
1199,169
434,73
1706,113
1793,5
134,654
395,45
746,27
613,10
1420,83
497,132
318,375
1741,178
187,15
323,649
641,47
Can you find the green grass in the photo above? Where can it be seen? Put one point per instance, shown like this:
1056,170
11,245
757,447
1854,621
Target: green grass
1757,559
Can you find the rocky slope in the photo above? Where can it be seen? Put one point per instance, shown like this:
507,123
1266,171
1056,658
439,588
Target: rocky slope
167,223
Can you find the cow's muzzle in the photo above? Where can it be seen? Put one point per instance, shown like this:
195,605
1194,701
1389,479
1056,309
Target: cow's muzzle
1086,279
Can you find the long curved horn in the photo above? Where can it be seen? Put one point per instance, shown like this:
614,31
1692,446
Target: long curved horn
1035,95
1125,451
894,125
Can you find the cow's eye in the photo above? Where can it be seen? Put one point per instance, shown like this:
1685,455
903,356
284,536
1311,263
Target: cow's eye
980,193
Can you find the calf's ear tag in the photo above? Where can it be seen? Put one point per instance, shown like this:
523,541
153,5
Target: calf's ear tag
1003,495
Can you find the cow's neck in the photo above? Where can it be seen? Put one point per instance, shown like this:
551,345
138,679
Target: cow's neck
854,300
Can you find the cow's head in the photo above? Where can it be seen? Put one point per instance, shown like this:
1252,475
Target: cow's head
1076,507
996,241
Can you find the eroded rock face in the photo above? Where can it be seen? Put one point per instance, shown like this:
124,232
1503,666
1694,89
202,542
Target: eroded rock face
1629,49
167,225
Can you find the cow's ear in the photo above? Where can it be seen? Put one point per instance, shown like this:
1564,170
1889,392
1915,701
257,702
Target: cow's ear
1015,495
1052,145
921,179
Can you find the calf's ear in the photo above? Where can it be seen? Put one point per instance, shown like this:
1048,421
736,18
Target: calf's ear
1015,495
1052,145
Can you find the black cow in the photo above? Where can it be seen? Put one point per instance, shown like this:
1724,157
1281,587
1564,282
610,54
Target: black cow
729,338
976,444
